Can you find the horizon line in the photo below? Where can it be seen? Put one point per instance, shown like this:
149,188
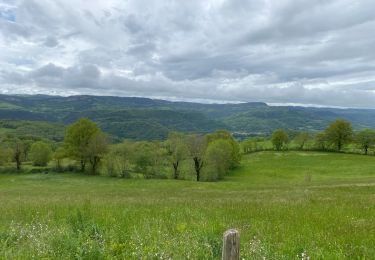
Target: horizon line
196,100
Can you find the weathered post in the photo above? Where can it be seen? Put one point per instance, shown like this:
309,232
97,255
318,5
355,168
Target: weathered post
231,245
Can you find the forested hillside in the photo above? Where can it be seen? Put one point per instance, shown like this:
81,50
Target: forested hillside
143,118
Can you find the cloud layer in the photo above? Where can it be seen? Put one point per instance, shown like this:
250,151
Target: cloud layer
306,51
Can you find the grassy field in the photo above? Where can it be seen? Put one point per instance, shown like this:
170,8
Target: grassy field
286,206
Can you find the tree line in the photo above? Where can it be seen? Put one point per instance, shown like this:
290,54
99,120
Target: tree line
338,136
202,157
87,149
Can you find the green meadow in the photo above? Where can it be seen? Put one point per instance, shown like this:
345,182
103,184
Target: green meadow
287,205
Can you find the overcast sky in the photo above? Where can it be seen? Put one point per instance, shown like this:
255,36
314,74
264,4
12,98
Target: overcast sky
302,51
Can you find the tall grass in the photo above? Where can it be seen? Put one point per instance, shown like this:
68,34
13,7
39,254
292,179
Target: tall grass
281,213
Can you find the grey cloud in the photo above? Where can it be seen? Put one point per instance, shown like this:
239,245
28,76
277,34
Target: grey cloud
308,51
90,71
13,78
132,24
49,70
53,76
13,30
51,42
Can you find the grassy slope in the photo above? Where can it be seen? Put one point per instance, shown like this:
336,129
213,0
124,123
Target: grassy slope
283,203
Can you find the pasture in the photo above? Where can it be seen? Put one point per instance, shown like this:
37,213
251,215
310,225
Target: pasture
287,205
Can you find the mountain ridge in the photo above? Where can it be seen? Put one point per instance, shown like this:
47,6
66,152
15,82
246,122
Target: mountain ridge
146,118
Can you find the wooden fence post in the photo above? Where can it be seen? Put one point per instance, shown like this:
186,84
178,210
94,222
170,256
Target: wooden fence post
231,245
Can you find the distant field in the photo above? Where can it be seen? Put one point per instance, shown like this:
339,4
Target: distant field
284,204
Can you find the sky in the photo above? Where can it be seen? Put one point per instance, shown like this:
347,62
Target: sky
309,52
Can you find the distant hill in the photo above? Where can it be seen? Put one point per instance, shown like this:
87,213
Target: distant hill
144,118
133,118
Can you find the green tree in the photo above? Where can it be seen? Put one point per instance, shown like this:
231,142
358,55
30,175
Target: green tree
177,150
197,145
339,133
26,146
119,160
321,141
301,138
249,145
58,156
279,139
18,149
365,138
40,153
149,158
97,149
5,155
143,153
218,159
234,148
77,140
